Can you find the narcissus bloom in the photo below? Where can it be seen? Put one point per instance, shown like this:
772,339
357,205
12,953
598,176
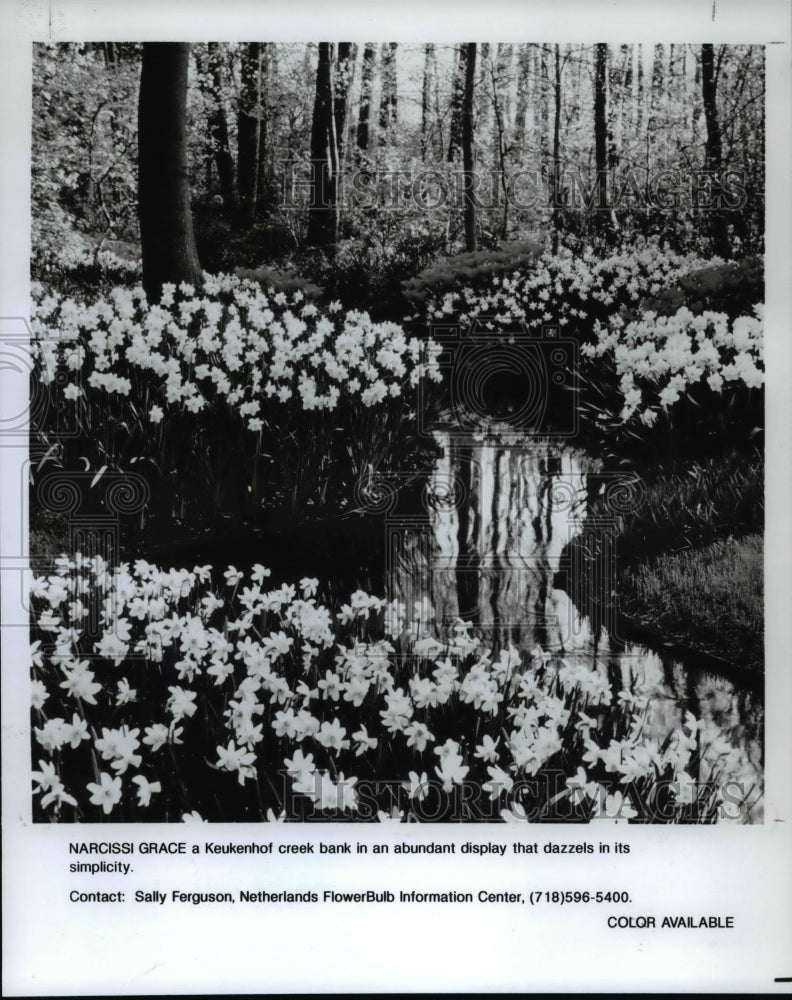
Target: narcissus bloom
106,793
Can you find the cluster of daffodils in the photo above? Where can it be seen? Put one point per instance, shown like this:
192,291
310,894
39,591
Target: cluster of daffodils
569,288
170,694
71,257
234,341
660,359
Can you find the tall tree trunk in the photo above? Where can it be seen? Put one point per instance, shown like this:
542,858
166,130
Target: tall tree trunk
713,152
218,128
601,133
483,103
658,77
467,146
388,99
501,112
457,101
429,72
262,181
521,105
364,114
544,112
342,83
555,187
166,226
640,87
249,121
323,210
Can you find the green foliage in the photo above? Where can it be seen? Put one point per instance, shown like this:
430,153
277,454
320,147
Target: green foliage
709,598
281,281
690,506
469,270
84,139
732,288
75,269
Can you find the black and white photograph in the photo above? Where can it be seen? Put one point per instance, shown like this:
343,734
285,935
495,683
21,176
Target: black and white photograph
395,465
397,451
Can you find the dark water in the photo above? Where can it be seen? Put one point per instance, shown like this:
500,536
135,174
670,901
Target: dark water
488,542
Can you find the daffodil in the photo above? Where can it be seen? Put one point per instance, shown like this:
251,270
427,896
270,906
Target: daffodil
105,793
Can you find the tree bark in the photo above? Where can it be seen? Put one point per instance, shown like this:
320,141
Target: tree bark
555,186
601,132
457,101
501,115
521,106
166,225
713,150
388,98
218,127
342,83
429,72
364,113
323,210
249,133
467,146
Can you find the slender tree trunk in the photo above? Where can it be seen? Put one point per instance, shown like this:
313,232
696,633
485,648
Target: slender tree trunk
601,133
658,74
556,179
249,132
388,98
364,114
342,83
521,106
544,112
218,127
467,146
640,87
713,150
262,177
457,101
323,210
166,226
430,69
482,102
501,109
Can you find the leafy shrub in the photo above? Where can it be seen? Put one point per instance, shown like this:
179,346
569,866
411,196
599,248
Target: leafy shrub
280,281
472,270
223,245
377,252
73,266
732,288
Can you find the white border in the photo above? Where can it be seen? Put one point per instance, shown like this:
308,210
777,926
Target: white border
52,948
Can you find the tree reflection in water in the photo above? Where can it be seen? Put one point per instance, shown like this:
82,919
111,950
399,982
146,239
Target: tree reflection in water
489,545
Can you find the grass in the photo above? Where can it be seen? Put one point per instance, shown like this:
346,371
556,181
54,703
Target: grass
691,505
709,598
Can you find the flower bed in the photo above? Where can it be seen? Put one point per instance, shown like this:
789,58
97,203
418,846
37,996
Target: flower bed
258,392
234,342
656,360
230,701
570,288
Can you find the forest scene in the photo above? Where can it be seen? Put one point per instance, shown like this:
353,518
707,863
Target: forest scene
396,448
